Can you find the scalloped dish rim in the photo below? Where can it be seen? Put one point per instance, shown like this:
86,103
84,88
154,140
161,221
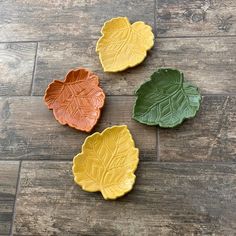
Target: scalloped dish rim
157,124
128,66
63,81
82,152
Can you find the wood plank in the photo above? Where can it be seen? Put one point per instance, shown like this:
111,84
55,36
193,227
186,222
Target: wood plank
16,68
210,136
57,20
195,18
8,180
168,199
210,63
6,215
28,129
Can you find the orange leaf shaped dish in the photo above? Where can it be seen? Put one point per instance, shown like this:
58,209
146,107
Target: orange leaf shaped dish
123,45
77,100
107,162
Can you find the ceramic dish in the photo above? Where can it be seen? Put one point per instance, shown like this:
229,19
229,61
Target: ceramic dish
77,100
123,45
107,163
166,100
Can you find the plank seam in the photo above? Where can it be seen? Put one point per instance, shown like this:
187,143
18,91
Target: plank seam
155,20
141,161
195,36
158,144
16,195
34,69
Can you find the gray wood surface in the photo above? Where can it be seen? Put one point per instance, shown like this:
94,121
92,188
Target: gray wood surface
66,20
28,130
16,68
210,136
168,199
176,18
186,180
209,63
8,180
6,215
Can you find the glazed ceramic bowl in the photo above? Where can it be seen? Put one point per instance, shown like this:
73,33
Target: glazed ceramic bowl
166,100
123,45
76,101
107,163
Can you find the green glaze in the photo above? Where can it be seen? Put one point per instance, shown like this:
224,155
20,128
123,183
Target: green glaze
166,100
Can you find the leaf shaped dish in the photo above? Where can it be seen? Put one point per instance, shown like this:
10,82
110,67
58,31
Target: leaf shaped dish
107,162
166,100
77,100
123,45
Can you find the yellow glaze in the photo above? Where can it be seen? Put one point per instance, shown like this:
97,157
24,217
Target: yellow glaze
107,163
123,45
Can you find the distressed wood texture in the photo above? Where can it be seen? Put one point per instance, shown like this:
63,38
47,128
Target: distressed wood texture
168,199
6,215
210,136
28,130
209,63
195,18
16,68
62,20
8,180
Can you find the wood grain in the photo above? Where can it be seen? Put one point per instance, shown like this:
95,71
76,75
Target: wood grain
168,199
209,63
70,19
6,217
8,180
210,136
176,18
16,68
190,192
28,129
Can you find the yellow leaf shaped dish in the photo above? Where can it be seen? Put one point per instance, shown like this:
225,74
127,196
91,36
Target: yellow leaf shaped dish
123,45
107,162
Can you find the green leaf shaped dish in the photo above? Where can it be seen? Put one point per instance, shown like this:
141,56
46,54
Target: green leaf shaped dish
166,100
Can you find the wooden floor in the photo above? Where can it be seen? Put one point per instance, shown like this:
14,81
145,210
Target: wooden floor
186,180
